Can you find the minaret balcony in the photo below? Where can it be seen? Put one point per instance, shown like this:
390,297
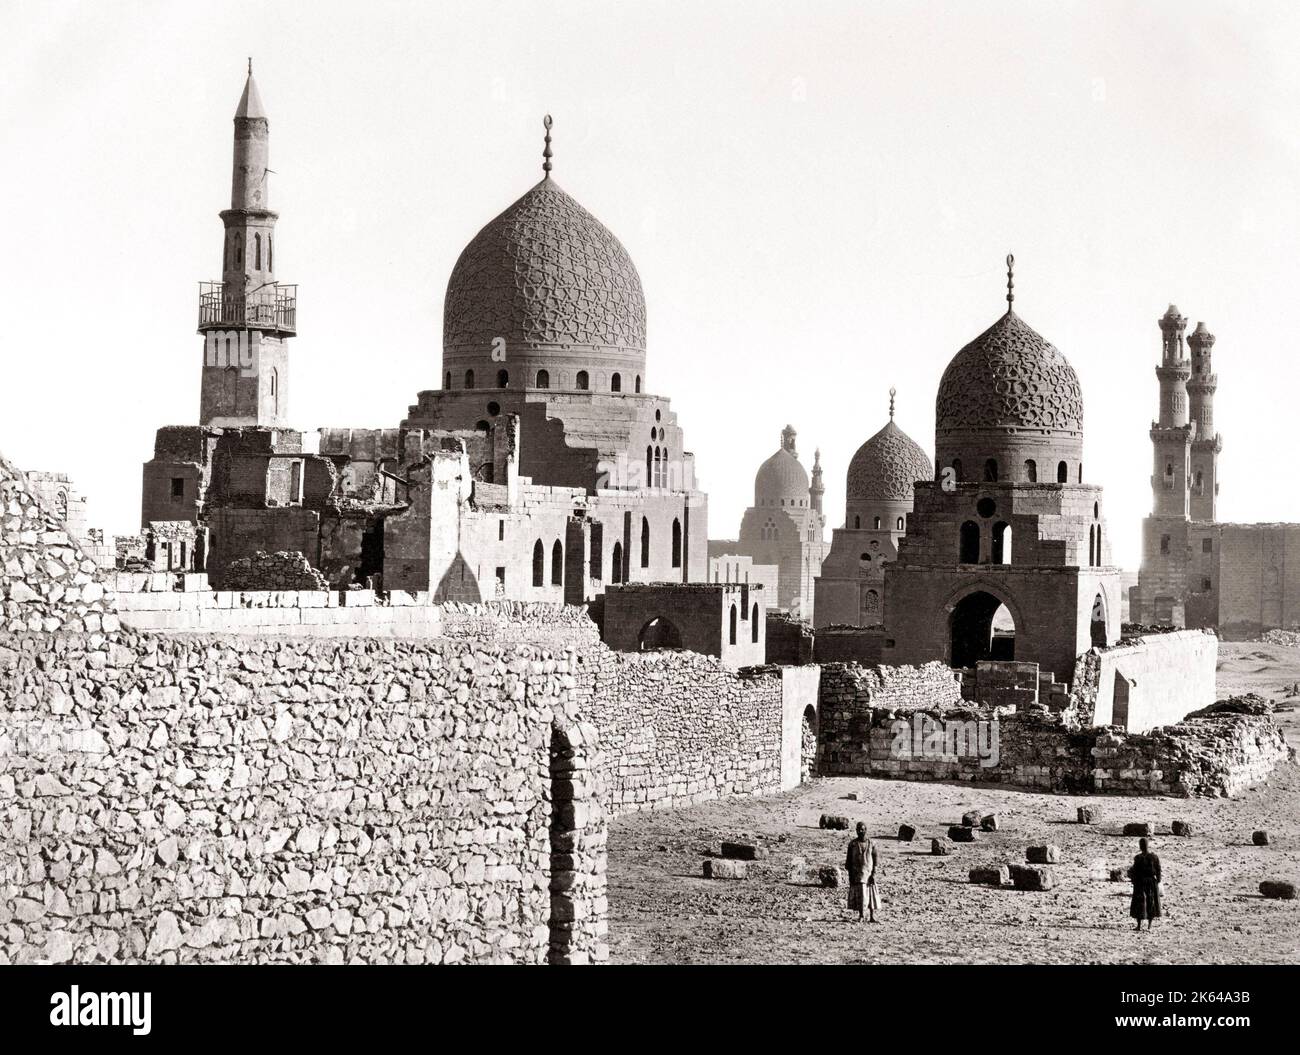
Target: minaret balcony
272,308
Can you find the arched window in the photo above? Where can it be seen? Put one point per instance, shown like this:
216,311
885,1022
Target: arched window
557,564
899,525
543,379
539,563
446,380
1031,471
638,382
616,383
275,390
956,469
677,543
877,523
270,254
616,571
469,378
645,543
649,466
733,624
970,543
1092,545
239,251
1099,560
257,252
753,630
991,470
1200,482
1001,542
1062,473
857,523
582,380
503,378
659,475
1080,473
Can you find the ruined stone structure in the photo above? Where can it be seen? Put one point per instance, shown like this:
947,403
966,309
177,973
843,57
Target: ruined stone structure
878,498
727,620
1009,463
57,493
541,470
1196,571
784,527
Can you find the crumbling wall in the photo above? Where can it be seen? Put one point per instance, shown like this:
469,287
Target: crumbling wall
47,582
202,799
1169,675
273,571
789,639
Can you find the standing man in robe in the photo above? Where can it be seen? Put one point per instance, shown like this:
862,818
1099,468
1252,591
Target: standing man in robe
862,863
1145,874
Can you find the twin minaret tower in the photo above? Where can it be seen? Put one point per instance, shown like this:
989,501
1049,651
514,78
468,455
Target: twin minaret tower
247,317
1185,481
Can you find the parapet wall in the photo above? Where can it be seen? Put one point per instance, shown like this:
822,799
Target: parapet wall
200,798
1155,680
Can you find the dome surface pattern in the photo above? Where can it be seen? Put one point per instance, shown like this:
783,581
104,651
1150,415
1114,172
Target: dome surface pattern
545,272
1009,377
886,466
781,476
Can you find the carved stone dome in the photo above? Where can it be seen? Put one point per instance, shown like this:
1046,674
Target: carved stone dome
781,480
886,466
554,283
1009,379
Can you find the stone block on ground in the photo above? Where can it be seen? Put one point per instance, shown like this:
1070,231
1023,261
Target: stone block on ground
1118,875
1088,814
970,818
798,870
959,833
906,833
1278,888
1183,829
1031,877
1043,855
1259,838
940,847
830,875
1139,828
991,875
989,822
833,822
743,851
720,868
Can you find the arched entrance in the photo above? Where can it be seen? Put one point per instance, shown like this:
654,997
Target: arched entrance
659,633
1119,704
981,627
1097,625
808,746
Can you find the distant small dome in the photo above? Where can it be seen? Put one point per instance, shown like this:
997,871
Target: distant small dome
886,466
781,476
1009,378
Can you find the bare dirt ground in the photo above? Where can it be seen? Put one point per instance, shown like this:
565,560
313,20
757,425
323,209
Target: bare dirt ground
663,911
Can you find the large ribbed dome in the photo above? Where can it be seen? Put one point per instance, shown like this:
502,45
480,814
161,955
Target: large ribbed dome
1009,378
546,274
886,466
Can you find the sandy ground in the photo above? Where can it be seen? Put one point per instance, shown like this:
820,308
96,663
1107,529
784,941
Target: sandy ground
663,911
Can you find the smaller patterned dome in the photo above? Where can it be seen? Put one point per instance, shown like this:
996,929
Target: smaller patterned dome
886,466
781,477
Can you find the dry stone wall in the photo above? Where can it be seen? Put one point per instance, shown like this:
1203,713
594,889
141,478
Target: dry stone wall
203,798
47,581
284,570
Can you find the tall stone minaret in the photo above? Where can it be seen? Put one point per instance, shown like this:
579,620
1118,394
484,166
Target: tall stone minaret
1171,434
817,489
1206,444
247,317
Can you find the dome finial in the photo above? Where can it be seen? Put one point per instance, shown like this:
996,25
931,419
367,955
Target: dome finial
892,393
250,65
546,152
1011,283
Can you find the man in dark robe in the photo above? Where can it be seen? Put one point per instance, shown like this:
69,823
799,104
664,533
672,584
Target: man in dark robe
1145,874
862,862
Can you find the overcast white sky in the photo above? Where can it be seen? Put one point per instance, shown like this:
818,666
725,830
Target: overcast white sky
818,197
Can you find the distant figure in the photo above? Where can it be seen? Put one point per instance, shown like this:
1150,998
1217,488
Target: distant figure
862,862
1145,874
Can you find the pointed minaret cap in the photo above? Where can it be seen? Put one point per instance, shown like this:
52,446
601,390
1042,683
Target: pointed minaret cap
250,103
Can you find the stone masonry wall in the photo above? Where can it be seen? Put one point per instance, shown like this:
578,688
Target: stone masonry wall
273,571
677,728
201,798
47,582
